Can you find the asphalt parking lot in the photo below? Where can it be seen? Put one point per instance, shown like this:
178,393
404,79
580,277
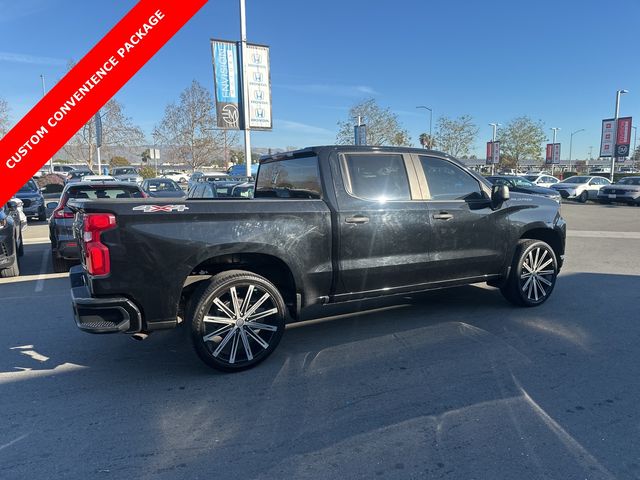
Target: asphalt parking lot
450,384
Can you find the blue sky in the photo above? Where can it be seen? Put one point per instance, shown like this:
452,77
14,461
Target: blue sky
559,61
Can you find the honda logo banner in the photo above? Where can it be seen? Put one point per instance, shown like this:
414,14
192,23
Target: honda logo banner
257,68
226,75
606,141
623,137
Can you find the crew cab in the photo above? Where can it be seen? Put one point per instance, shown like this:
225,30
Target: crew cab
327,225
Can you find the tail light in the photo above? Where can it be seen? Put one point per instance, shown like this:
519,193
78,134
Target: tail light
60,212
96,254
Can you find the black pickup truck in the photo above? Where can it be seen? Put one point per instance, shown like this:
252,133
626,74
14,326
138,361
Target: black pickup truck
327,225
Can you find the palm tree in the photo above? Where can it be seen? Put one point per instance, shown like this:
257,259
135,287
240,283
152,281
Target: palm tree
427,141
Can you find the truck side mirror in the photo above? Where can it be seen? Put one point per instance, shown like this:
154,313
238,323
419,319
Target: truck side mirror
499,195
12,206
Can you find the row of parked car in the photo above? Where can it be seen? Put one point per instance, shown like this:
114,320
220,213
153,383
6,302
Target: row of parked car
64,247
578,187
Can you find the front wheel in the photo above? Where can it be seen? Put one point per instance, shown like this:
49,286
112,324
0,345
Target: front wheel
238,320
533,274
584,196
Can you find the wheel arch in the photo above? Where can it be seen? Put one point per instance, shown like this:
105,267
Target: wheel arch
548,235
270,266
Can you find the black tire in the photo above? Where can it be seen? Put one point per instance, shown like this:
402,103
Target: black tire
584,196
14,269
21,246
59,264
182,180
523,289
42,214
242,346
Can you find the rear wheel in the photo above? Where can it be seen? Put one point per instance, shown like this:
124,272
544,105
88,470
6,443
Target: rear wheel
238,320
584,196
42,214
533,274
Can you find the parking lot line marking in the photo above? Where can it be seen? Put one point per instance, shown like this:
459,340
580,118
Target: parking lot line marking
43,267
21,437
20,375
32,278
602,234
36,240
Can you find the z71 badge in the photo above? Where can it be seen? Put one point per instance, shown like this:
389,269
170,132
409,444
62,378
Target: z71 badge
161,208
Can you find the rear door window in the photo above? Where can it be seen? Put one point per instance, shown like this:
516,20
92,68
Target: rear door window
378,177
296,178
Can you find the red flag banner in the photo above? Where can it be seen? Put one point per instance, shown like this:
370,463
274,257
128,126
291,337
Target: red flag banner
87,87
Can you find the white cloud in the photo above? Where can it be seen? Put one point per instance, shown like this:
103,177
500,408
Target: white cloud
30,59
333,89
301,127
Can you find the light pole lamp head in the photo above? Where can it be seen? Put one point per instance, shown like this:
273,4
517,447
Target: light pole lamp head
623,91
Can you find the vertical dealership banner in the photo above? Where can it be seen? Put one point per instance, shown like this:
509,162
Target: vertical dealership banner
226,77
95,79
556,153
257,70
549,154
360,134
606,140
493,153
489,152
623,137
496,153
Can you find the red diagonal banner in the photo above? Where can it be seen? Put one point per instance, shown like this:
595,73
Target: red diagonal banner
87,87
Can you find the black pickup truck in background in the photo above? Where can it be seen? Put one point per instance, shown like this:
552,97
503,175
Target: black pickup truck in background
327,225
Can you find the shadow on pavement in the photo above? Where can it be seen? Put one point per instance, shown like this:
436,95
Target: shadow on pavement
453,383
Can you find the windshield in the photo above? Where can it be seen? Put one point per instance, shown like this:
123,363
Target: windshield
531,178
80,173
576,180
162,186
124,171
521,182
629,181
30,186
96,193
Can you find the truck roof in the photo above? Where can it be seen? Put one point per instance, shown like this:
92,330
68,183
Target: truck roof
326,149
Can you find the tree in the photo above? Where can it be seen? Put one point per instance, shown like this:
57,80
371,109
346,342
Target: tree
118,131
383,127
456,136
521,139
4,117
147,172
427,141
118,162
188,129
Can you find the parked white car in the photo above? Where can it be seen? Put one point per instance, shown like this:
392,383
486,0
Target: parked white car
581,187
23,217
541,179
176,176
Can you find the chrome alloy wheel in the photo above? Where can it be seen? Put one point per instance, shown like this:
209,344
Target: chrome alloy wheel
239,326
538,274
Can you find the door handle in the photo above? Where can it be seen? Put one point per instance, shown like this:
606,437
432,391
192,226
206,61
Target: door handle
358,219
442,216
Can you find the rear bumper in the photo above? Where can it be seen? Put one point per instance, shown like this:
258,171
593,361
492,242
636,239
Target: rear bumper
101,315
618,197
67,249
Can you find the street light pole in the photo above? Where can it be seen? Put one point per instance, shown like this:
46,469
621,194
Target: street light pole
430,123
571,146
44,92
245,87
635,140
619,93
553,151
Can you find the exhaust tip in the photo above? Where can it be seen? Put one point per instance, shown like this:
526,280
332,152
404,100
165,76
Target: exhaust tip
140,336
